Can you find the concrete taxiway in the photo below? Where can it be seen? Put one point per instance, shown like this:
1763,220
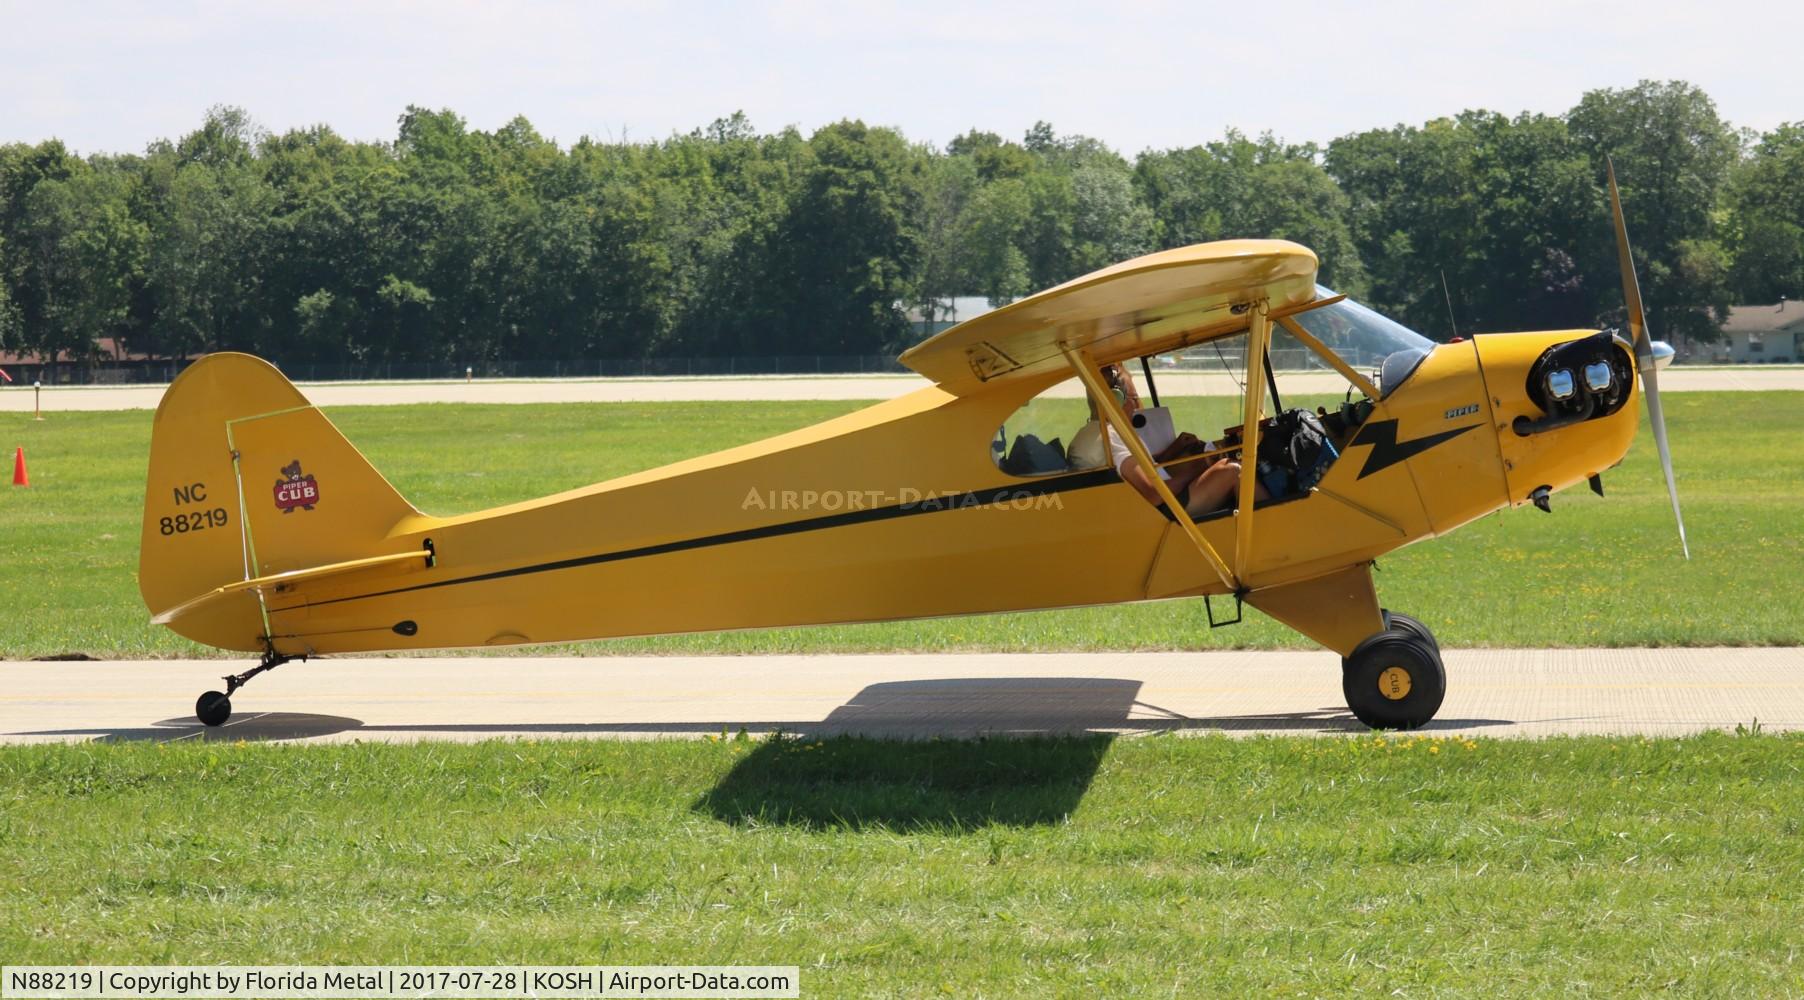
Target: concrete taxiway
19,399
1518,693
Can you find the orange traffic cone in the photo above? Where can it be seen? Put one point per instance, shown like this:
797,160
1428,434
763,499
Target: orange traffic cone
19,476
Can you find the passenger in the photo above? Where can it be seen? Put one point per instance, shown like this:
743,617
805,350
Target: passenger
1202,486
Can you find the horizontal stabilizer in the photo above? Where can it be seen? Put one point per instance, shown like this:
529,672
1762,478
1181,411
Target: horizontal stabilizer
283,581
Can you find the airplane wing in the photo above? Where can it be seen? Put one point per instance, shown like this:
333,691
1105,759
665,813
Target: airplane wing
1142,306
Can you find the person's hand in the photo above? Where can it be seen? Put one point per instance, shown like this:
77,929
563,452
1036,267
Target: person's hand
1180,446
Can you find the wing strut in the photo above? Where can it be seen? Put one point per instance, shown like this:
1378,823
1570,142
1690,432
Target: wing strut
1106,405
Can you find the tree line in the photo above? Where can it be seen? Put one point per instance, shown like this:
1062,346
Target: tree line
455,244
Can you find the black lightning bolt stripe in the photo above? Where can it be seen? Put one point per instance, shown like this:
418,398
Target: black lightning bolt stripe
1388,451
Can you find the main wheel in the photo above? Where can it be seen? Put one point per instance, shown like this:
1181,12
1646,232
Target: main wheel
1394,680
213,708
1404,623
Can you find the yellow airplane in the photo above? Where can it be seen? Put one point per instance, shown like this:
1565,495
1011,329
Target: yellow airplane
265,530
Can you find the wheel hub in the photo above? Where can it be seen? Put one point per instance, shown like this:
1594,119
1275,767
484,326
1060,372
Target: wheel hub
1393,683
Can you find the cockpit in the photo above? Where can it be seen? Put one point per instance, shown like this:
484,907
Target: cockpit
1312,407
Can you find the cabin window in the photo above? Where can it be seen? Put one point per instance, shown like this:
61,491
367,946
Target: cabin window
1201,389
1052,433
1203,385
1366,340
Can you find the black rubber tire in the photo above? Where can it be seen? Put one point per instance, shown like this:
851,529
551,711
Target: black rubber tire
1422,683
1404,623
213,708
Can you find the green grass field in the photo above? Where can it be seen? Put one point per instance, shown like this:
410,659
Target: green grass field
1596,573
1157,866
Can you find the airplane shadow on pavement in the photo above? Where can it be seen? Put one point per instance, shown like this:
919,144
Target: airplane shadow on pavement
243,726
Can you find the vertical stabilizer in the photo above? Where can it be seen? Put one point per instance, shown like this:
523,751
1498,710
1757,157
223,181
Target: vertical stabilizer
248,479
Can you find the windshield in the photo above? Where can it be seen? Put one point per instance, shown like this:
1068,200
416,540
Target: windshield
1360,336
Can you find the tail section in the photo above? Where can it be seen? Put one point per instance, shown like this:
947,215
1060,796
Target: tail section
248,480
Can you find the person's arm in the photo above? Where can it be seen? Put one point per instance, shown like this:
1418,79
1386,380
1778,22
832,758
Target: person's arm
1129,469
1140,480
1179,477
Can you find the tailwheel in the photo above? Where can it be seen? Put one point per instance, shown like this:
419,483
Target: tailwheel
213,708
1394,680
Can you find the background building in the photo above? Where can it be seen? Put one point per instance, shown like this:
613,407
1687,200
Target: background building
1761,335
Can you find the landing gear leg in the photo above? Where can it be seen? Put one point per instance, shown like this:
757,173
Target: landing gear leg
1394,679
215,707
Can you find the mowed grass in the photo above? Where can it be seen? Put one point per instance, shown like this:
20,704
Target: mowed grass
1598,572
1149,866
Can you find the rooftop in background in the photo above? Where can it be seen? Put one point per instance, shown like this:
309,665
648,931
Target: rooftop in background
105,349
1762,319
1759,335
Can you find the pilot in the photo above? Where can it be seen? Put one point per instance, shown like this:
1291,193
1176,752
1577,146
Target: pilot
1202,486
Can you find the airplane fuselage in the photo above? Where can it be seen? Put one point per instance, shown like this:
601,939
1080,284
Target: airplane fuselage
895,511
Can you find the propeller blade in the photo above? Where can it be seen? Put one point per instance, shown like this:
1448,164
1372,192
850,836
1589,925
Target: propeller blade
1646,361
1631,286
1657,417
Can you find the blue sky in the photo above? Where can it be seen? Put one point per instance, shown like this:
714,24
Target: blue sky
113,76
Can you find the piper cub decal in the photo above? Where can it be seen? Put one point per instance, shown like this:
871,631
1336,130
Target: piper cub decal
295,490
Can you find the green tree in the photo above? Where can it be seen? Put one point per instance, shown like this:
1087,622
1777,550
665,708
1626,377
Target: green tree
720,199
316,278
453,243
1673,155
988,237
1109,222
209,212
1765,218
22,169
994,158
1240,188
846,255
1083,212
82,252
949,185
9,313
1504,211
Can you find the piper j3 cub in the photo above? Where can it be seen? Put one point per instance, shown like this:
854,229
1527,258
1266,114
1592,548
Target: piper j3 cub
265,530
